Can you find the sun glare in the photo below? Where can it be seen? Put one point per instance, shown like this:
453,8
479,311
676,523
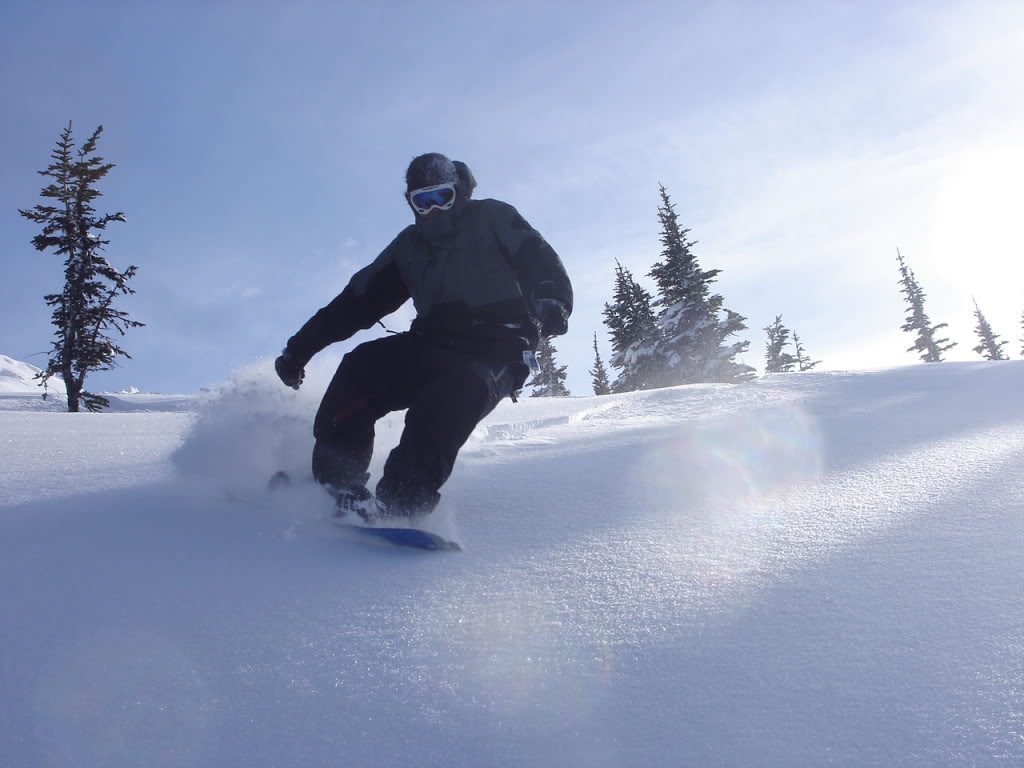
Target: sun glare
976,240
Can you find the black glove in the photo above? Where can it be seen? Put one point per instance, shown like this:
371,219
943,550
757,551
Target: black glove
290,369
553,316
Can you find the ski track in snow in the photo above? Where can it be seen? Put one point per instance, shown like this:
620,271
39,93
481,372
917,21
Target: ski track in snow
813,569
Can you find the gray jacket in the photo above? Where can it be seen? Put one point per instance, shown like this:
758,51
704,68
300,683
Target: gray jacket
481,278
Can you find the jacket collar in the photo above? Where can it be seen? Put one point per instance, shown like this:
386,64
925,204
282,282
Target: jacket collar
442,226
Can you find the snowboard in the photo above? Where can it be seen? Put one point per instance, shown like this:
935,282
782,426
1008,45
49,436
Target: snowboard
413,538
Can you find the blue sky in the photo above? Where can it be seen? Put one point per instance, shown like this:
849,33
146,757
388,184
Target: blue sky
260,148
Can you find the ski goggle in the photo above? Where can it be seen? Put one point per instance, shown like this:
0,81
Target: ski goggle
426,199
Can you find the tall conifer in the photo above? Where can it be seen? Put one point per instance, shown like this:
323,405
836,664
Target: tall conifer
803,362
83,312
599,374
926,344
777,360
989,348
550,380
634,334
693,337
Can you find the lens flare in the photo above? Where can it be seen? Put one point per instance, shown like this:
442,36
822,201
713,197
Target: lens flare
728,461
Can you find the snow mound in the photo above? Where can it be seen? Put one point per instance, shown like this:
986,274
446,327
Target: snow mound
17,377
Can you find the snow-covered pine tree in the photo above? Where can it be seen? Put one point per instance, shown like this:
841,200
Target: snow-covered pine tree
1022,337
634,331
927,345
550,380
989,348
803,362
599,374
83,311
693,336
777,360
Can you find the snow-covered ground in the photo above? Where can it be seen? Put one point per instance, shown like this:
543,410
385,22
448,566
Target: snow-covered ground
809,569
19,378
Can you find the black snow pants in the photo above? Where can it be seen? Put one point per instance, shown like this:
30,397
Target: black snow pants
446,392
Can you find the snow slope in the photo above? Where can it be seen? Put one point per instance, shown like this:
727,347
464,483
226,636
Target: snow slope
805,570
19,391
17,377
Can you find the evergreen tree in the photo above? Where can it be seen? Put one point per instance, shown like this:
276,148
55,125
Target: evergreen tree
83,312
927,345
1022,337
989,348
693,337
803,362
599,374
634,331
550,380
776,359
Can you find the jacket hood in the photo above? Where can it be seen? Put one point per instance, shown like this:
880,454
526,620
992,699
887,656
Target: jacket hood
429,170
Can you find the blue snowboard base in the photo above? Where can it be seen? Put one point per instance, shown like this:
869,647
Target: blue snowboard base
400,537
403,537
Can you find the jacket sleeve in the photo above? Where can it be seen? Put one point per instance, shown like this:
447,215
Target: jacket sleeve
542,278
373,292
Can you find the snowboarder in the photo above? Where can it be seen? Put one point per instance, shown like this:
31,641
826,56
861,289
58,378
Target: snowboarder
485,286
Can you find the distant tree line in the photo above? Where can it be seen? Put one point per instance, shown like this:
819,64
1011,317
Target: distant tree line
926,345
777,359
683,333
680,334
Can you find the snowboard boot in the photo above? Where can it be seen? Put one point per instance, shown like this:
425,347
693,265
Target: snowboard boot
357,499
412,503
